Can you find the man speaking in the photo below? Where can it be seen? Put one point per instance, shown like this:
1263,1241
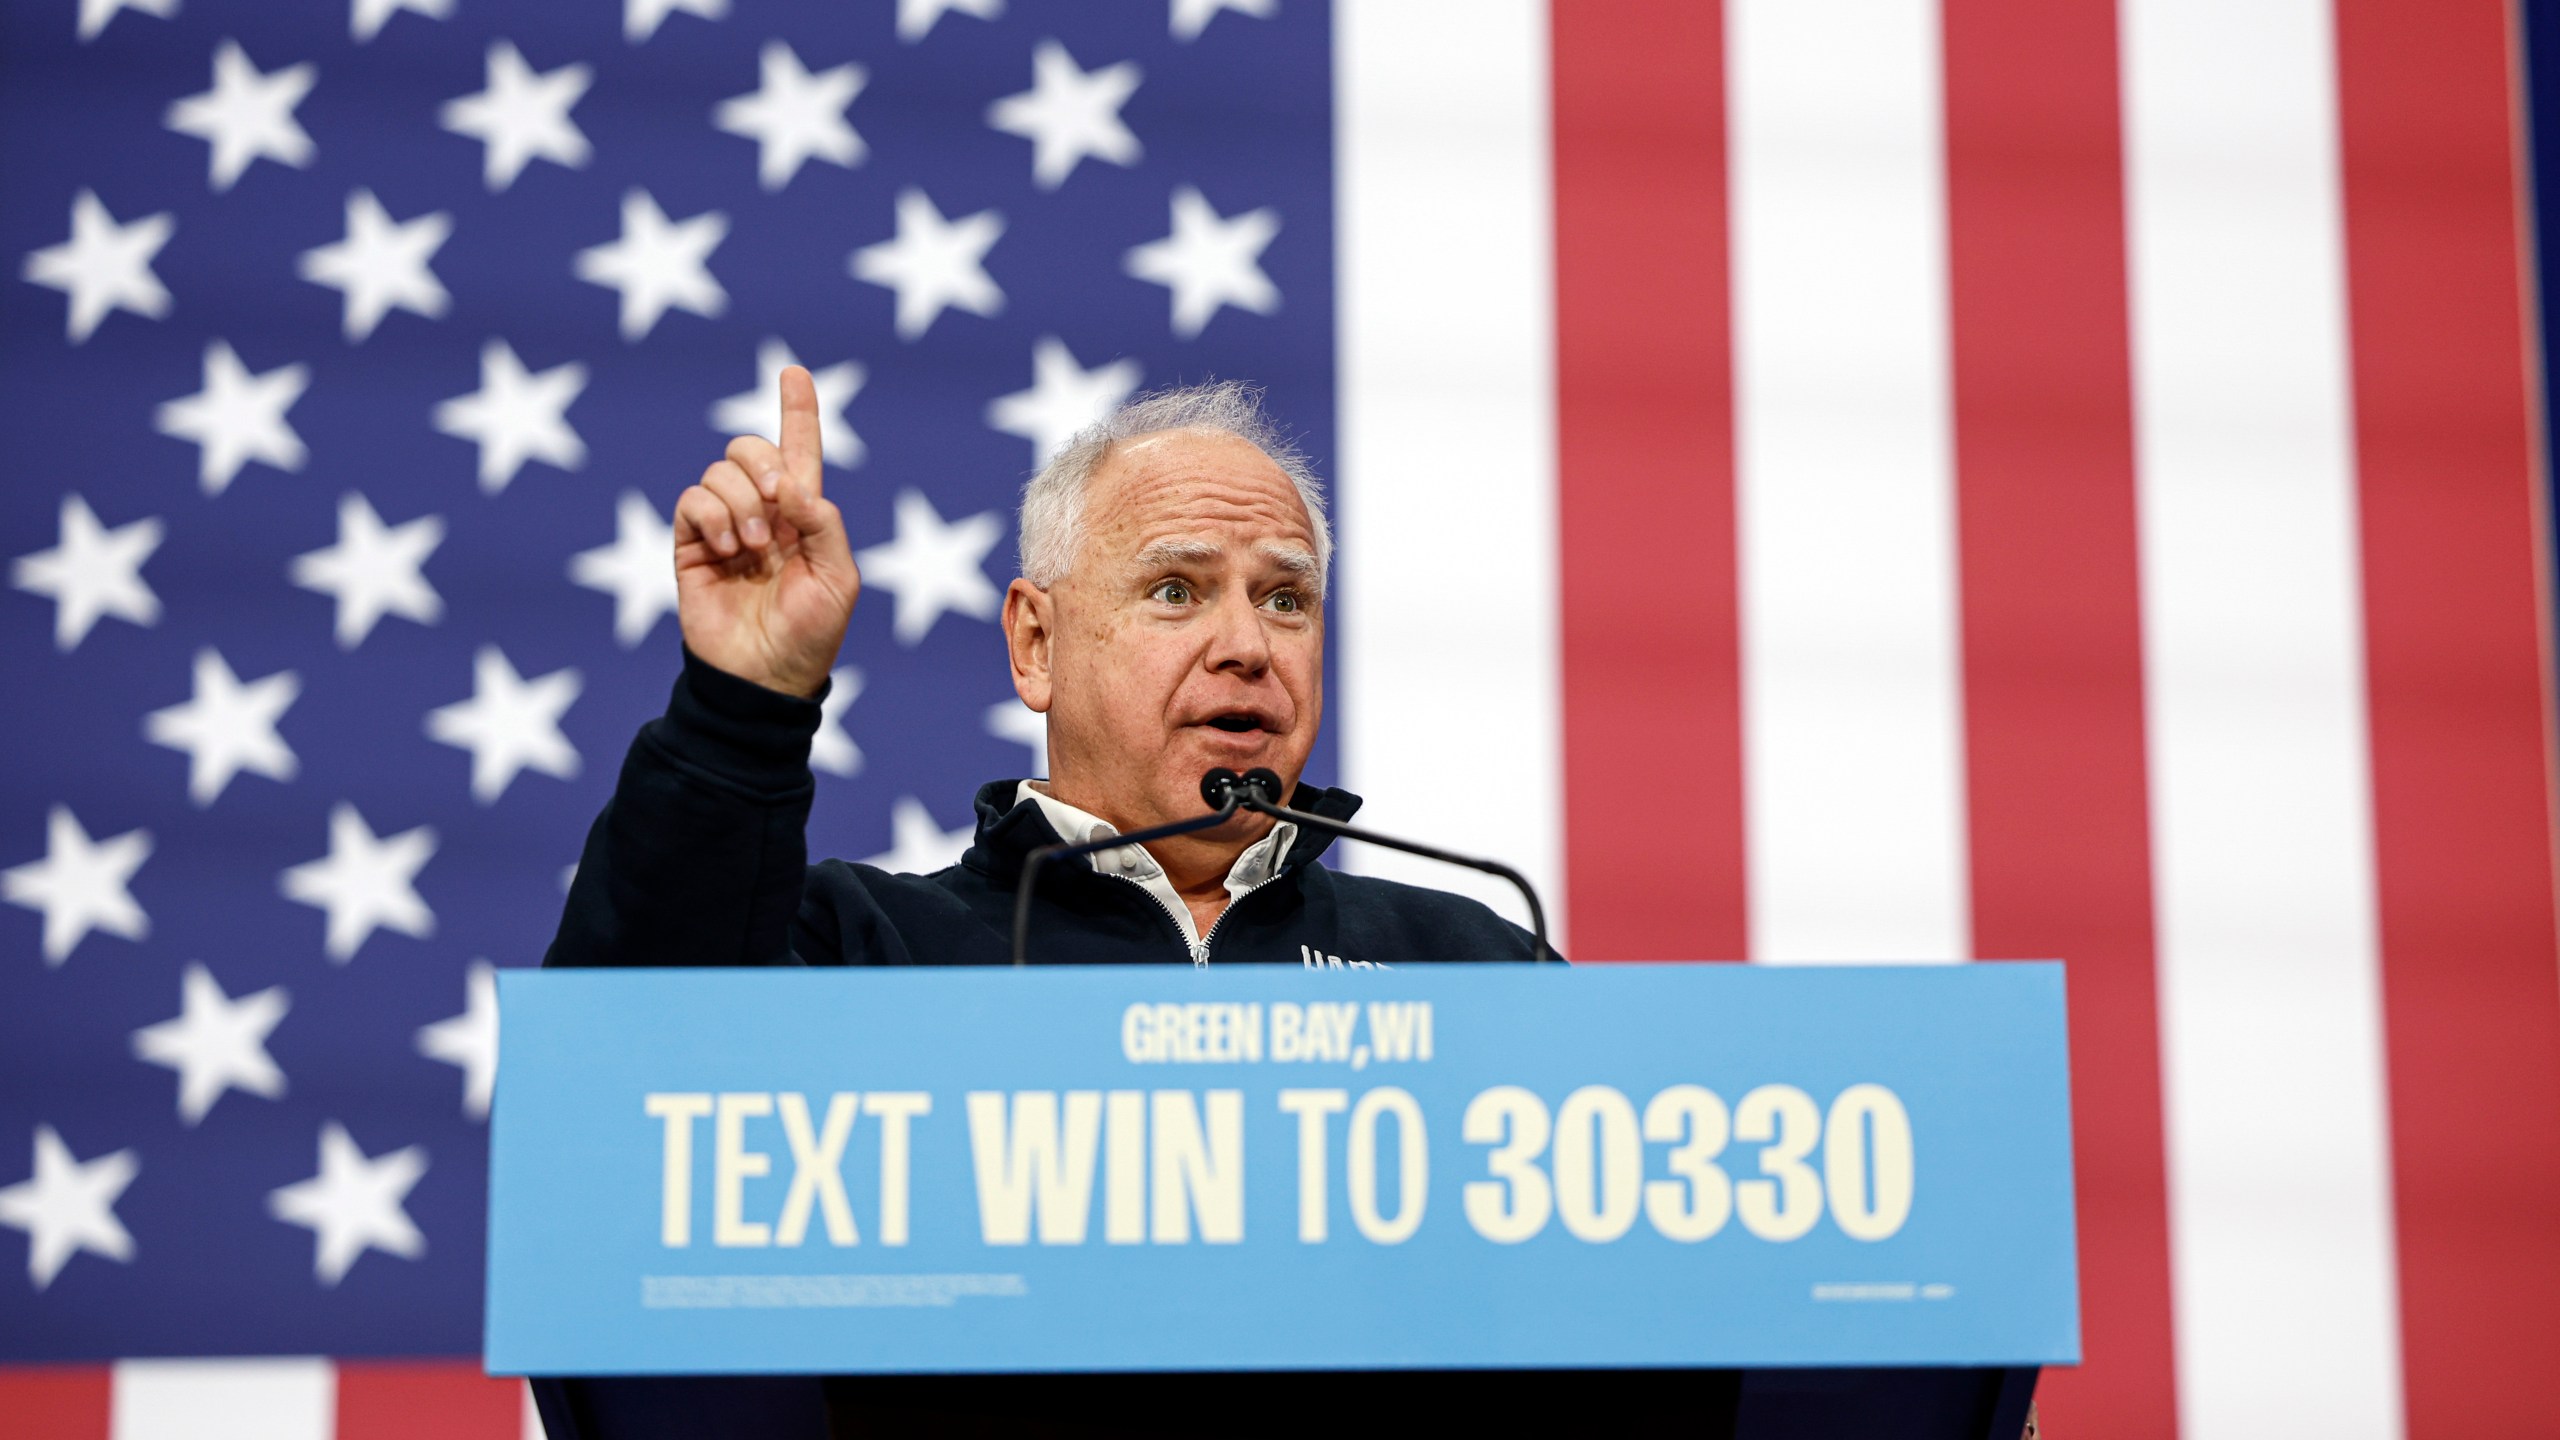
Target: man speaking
1169,620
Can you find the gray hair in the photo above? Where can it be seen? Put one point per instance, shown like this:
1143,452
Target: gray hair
1052,522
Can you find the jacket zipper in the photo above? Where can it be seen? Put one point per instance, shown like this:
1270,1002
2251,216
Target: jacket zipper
1170,918
1209,940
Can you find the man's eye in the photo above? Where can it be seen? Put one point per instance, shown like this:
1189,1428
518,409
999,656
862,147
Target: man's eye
1284,601
1174,592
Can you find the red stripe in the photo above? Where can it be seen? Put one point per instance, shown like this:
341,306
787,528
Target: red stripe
2444,438
426,1400
1644,418
2052,634
54,1402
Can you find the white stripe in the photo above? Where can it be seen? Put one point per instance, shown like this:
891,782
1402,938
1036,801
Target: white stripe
1853,767
1449,720
267,1398
2279,1165
532,1421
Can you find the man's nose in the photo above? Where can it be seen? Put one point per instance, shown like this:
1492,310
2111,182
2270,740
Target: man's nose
1238,645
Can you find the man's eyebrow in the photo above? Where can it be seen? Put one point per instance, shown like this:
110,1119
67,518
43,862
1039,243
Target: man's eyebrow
1296,559
1177,552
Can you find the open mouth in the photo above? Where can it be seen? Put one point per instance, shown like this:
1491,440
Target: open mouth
1237,722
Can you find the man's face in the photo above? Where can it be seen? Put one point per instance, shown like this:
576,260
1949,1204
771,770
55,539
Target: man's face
1187,634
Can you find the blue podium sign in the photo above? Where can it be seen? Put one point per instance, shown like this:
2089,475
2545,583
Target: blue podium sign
1148,1168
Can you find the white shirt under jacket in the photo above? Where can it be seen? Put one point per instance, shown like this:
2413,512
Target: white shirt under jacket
1259,862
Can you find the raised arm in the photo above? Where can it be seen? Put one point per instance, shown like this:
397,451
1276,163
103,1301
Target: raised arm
700,856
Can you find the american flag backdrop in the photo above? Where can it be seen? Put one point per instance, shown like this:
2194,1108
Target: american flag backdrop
1841,479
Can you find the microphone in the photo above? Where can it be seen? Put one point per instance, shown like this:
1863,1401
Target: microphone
1258,790
1223,786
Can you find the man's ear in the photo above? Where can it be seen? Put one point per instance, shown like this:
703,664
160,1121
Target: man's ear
1029,630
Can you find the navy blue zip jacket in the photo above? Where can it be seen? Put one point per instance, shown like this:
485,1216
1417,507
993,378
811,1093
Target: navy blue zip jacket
701,858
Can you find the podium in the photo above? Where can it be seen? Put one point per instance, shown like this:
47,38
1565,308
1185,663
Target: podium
1714,1199
1924,1403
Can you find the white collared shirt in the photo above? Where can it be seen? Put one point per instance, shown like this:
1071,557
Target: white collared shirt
1253,869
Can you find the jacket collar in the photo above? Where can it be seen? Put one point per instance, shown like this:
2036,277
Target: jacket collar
1009,829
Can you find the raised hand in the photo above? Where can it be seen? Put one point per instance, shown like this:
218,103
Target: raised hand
764,579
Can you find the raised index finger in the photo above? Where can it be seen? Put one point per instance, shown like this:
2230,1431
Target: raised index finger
800,451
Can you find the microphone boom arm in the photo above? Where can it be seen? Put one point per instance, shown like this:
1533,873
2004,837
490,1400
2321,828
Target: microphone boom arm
1250,796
